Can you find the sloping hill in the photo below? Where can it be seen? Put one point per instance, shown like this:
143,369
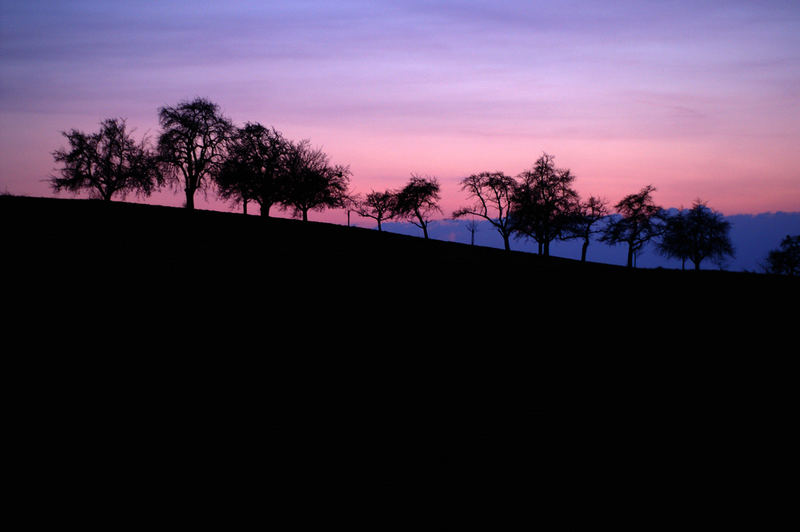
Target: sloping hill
209,272
374,357
112,244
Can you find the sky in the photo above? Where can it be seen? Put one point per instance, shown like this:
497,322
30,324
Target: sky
700,99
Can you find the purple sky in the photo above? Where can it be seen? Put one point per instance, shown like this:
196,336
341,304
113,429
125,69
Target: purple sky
700,99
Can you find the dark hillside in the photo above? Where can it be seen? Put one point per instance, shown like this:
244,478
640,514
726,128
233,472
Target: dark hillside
375,358
184,264
110,246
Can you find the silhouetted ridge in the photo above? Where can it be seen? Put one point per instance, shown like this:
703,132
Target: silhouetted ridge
216,260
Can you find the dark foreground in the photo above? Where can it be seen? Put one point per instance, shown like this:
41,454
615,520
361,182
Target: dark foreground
312,359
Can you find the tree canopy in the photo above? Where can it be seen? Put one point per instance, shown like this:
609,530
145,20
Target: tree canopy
255,167
193,144
639,221
584,221
380,206
786,259
492,194
696,234
312,182
418,201
108,162
543,202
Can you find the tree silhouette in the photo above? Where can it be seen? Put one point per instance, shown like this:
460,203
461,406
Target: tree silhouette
492,194
543,202
192,144
584,221
106,163
472,227
255,167
418,200
380,206
639,221
786,259
311,181
697,234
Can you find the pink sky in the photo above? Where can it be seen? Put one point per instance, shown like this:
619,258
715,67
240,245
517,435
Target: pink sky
701,100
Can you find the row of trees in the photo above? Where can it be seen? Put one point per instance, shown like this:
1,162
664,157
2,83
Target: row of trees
198,148
541,204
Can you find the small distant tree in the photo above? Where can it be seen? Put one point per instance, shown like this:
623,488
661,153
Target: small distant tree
312,182
473,227
254,168
585,221
380,206
697,234
786,259
543,203
639,221
492,194
418,201
108,162
193,144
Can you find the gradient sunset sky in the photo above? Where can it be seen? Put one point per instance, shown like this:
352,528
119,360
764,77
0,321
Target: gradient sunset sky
699,98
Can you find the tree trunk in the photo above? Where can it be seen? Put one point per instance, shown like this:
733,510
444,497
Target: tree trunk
244,206
305,215
583,250
506,242
379,225
265,210
630,256
189,199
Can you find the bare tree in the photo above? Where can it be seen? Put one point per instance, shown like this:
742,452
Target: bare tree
106,163
255,167
380,206
543,202
639,221
697,234
192,144
312,182
585,219
418,200
492,194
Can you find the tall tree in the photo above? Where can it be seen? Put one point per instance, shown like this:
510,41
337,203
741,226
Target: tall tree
697,234
786,259
380,206
639,220
418,201
255,167
108,162
585,219
311,181
543,202
193,144
492,194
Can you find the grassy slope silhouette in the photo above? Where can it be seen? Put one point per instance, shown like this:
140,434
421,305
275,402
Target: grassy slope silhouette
114,243
216,273
374,357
